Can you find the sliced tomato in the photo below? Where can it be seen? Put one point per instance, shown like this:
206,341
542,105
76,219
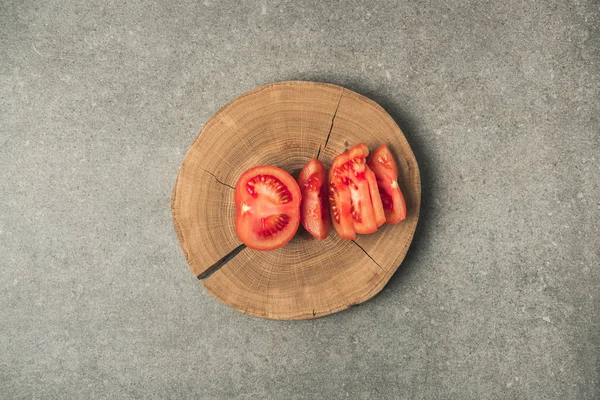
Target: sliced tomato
375,197
340,203
360,195
360,150
384,166
313,208
267,201
353,185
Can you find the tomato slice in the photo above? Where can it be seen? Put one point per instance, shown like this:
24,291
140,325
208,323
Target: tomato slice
375,197
362,205
267,201
340,203
353,185
313,208
360,150
384,166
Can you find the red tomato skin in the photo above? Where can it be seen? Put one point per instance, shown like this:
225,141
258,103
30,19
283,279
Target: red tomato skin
364,213
384,166
339,198
314,210
375,197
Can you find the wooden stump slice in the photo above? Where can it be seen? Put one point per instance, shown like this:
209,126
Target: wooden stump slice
285,125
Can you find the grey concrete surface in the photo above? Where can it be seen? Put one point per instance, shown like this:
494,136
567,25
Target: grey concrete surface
499,297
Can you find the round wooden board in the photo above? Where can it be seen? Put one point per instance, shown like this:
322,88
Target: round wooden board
286,124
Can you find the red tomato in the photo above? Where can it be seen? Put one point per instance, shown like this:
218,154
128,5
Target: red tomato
362,205
375,197
339,198
353,186
313,208
386,171
267,201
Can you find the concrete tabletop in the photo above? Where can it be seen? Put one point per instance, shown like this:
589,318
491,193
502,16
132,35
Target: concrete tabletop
498,298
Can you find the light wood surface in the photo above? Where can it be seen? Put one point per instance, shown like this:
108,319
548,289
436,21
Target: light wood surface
286,124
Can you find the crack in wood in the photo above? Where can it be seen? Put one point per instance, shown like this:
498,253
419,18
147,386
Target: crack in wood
333,118
368,255
216,266
219,181
332,122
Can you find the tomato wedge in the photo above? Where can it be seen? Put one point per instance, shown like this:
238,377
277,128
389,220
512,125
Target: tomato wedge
313,208
267,201
375,197
384,166
340,203
353,185
362,205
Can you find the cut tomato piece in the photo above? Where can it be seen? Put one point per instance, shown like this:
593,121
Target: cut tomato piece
353,185
313,208
375,197
267,201
360,150
384,166
362,205
340,203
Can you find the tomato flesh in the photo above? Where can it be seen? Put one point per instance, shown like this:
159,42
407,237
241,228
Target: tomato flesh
340,203
313,207
362,206
384,166
375,197
353,185
267,203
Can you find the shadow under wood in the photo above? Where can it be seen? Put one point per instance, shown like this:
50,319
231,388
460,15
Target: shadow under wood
409,124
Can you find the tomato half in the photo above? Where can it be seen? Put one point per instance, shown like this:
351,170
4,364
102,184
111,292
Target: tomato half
384,166
267,201
313,208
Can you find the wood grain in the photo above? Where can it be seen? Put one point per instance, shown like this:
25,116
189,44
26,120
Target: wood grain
286,124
